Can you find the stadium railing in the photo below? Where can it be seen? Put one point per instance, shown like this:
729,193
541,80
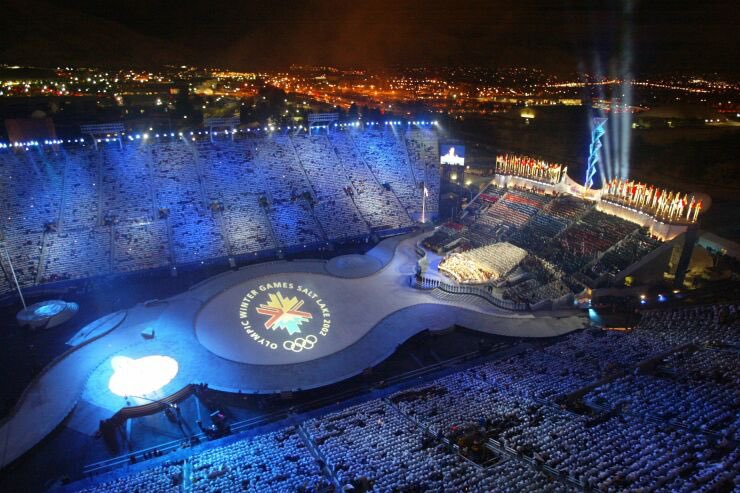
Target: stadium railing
421,282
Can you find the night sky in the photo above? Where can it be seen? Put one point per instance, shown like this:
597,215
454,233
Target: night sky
606,36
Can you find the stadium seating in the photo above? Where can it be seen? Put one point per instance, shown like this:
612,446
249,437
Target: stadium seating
30,190
6,284
141,246
160,479
71,212
702,324
595,233
25,250
697,389
177,183
76,254
196,235
375,442
333,206
231,180
514,208
623,254
385,155
278,461
423,152
126,184
80,204
380,207
504,425
580,245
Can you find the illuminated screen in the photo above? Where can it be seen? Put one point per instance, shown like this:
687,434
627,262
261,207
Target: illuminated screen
452,154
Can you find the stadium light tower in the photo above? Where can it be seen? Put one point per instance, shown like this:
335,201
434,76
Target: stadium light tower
597,132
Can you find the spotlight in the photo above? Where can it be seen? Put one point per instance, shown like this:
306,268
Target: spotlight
137,377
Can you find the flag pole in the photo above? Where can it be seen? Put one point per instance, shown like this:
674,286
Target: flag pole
423,203
15,279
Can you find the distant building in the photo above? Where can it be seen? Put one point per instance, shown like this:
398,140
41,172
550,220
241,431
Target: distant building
677,115
28,129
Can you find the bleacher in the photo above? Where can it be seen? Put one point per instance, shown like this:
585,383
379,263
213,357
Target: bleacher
30,190
76,212
231,179
384,154
81,188
126,193
538,232
588,247
567,208
596,232
278,461
536,280
623,254
507,424
25,250
513,209
289,210
76,254
141,246
333,206
196,235
176,181
6,284
161,479
696,388
380,207
423,152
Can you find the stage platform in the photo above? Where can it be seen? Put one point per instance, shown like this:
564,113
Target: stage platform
46,314
267,328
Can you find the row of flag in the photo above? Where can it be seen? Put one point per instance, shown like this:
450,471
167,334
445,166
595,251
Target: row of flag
528,167
659,202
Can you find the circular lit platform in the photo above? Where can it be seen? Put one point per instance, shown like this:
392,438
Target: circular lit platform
46,314
282,319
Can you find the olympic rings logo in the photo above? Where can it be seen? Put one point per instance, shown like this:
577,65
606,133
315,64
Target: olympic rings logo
299,344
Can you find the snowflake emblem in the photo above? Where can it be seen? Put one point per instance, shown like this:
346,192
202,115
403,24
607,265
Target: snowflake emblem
284,313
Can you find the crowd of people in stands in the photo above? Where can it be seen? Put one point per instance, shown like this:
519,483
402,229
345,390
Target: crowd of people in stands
77,212
622,255
386,155
165,478
278,461
651,409
569,244
514,208
378,204
593,234
696,387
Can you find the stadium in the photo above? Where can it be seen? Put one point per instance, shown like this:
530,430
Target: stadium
315,324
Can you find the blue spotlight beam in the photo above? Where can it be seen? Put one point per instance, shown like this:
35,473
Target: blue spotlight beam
597,133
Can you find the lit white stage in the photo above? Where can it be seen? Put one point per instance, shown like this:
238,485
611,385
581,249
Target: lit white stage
267,328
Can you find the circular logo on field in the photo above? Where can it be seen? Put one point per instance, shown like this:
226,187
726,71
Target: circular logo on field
284,316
